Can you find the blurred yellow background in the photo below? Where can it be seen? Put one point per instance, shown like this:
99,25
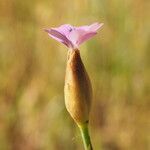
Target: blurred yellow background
32,69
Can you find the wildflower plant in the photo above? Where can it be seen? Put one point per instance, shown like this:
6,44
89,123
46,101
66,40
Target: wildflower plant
77,89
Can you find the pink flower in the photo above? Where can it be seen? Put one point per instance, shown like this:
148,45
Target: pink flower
72,36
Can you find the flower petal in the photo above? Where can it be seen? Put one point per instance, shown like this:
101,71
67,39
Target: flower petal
57,35
72,36
65,29
83,33
86,37
95,26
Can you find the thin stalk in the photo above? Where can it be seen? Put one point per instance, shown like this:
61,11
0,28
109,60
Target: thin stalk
85,136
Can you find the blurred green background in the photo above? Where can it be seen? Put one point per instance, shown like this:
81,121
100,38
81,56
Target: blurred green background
32,69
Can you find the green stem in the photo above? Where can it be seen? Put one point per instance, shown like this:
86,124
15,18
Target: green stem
85,136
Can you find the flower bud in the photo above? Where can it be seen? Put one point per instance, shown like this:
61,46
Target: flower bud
78,90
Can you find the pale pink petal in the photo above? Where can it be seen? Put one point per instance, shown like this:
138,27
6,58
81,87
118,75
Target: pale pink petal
72,36
65,29
95,26
84,33
75,36
59,36
85,28
86,37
